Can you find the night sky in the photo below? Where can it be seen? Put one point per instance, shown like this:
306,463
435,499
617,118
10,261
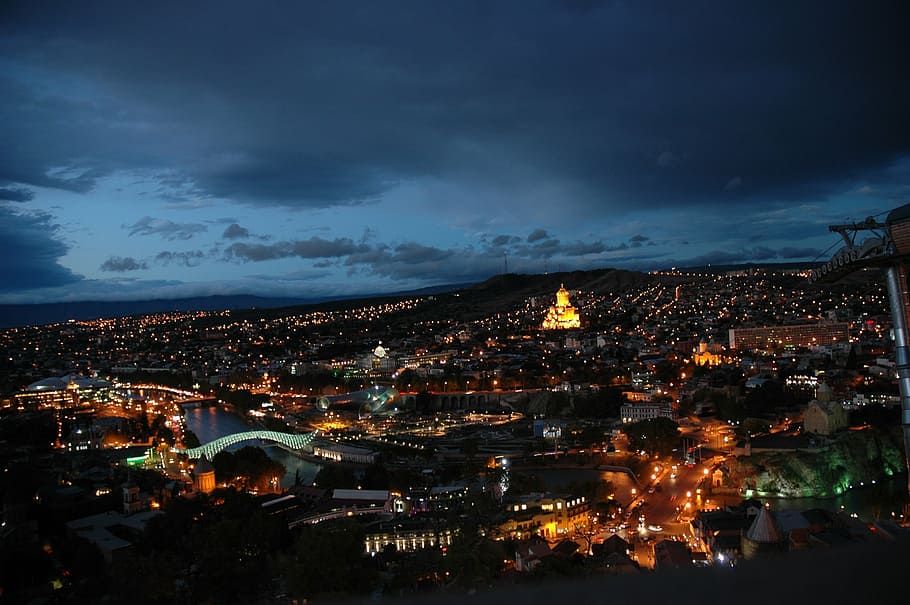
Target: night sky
165,149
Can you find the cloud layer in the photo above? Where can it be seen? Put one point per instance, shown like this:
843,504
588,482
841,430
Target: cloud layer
456,136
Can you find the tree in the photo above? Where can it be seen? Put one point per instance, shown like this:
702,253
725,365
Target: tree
335,477
473,561
765,399
254,467
328,559
603,403
591,436
242,399
655,435
190,440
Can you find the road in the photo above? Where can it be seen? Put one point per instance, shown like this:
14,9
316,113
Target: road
670,496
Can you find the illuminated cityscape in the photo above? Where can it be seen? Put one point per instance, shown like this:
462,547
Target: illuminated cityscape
397,420
312,302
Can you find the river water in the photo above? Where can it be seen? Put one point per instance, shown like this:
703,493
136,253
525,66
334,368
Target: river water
884,500
212,422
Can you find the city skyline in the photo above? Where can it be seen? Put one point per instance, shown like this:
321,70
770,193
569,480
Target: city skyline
311,151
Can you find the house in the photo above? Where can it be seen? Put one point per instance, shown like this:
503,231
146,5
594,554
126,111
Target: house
565,548
612,556
824,417
529,553
671,554
112,532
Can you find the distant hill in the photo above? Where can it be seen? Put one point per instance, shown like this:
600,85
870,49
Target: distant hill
39,314
504,292
467,301
46,313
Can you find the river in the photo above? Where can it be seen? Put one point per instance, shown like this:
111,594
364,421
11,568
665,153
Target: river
210,423
884,500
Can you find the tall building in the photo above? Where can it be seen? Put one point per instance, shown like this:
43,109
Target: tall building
802,335
562,315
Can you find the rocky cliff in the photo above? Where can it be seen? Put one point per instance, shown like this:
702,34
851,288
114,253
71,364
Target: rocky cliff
849,459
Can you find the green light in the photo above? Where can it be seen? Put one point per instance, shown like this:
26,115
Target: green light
136,460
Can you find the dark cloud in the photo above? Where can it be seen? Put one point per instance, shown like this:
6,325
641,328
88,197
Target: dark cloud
186,259
315,247
552,247
655,104
537,235
168,230
413,253
745,255
797,253
583,248
503,240
412,261
16,194
235,231
637,241
122,264
31,252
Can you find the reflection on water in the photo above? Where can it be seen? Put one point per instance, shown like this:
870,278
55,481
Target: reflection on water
210,423
877,501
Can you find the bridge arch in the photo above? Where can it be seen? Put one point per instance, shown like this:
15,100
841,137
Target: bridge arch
297,441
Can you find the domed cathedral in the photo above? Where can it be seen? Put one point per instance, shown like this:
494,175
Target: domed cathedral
562,315
204,476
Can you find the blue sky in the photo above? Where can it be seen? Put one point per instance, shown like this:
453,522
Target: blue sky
171,149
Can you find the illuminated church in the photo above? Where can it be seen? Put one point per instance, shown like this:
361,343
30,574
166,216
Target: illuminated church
562,315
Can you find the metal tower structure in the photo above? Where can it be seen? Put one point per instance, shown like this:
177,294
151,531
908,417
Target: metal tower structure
887,247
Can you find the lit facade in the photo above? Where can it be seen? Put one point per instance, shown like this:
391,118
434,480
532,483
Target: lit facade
705,356
413,362
562,315
635,412
338,452
60,393
548,516
408,535
824,417
803,335
204,475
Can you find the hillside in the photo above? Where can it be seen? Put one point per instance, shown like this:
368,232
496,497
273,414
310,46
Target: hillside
851,457
505,292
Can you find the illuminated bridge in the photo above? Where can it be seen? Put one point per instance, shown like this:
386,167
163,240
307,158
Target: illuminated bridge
294,441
